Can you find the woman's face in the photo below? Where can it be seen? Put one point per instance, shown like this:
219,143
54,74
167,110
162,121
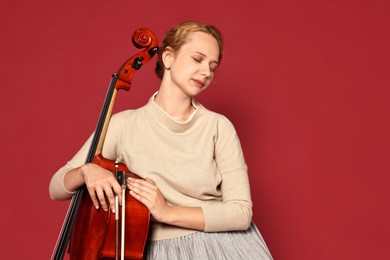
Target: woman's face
192,67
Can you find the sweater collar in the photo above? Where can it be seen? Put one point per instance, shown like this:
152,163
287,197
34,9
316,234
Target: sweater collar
166,121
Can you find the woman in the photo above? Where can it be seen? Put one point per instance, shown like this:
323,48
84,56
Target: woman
193,174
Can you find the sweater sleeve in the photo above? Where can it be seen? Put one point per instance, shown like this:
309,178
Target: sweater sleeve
234,212
57,190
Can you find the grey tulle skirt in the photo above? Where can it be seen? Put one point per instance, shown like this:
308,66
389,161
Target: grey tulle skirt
235,245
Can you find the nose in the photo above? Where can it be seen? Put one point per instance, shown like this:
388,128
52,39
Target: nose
205,72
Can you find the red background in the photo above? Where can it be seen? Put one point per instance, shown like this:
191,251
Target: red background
305,82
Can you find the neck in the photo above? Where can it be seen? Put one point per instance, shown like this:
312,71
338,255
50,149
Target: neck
179,107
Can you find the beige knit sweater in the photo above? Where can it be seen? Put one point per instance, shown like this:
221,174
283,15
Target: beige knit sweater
197,163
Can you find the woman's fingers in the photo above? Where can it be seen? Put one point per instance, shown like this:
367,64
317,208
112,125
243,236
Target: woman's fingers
101,198
102,187
148,194
110,196
101,195
94,198
142,189
117,190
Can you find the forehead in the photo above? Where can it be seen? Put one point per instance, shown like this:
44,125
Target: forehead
202,43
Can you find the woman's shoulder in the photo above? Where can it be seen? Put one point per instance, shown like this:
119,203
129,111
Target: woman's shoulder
221,120
210,113
127,114
124,119
124,114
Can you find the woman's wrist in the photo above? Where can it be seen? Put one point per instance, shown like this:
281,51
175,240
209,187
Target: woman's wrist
187,217
74,178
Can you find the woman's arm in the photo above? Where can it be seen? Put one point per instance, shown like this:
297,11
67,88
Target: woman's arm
148,193
76,173
235,210
100,184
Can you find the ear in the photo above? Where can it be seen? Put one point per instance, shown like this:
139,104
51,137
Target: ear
168,56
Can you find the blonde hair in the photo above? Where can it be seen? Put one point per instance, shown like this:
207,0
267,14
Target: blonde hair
178,35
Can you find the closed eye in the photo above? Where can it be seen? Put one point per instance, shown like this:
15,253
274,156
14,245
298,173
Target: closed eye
214,66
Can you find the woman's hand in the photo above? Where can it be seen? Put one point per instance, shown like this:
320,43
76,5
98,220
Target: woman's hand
101,183
146,192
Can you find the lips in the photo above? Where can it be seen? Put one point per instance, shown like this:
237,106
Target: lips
199,83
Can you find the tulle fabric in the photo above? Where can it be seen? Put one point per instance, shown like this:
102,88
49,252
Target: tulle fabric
236,245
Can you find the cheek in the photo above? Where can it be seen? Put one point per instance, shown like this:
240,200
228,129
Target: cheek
186,66
186,70
209,81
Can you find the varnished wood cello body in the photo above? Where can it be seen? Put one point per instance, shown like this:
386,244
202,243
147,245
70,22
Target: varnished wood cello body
93,233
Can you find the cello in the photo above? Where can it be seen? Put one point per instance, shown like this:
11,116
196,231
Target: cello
89,233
